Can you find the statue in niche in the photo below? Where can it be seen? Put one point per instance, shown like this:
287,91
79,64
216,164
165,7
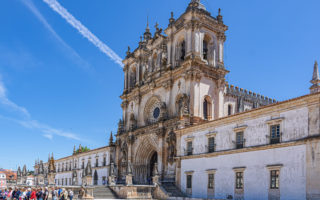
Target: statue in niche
171,141
183,105
133,122
164,55
164,111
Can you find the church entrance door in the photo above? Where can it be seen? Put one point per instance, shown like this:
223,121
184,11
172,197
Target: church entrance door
153,161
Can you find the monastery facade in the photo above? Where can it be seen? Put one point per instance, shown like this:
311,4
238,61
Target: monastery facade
185,127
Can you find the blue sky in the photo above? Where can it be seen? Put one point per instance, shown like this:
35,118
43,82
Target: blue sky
58,90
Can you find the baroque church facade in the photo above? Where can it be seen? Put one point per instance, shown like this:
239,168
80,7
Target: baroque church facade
185,127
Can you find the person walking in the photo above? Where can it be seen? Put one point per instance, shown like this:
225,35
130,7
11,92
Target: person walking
28,193
54,193
61,197
40,194
46,194
16,194
33,195
65,194
81,193
9,194
23,194
70,194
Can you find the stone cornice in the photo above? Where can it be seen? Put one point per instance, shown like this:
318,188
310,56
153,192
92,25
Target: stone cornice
77,156
250,149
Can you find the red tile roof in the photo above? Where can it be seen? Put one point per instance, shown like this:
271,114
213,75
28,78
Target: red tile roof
11,175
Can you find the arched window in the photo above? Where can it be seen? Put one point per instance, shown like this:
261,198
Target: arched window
205,109
182,50
132,77
205,50
229,110
207,106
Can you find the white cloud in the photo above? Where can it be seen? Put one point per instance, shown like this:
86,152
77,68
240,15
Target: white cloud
29,4
84,31
33,124
28,122
9,104
49,136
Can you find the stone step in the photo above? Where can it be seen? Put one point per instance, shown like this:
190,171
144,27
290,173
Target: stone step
103,192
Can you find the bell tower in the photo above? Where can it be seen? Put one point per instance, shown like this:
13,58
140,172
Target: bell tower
175,78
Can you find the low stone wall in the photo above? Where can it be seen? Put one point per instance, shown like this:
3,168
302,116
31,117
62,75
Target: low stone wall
134,192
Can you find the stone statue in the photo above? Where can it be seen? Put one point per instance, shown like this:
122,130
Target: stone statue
164,111
183,105
133,122
171,141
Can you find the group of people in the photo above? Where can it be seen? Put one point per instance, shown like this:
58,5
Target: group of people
36,194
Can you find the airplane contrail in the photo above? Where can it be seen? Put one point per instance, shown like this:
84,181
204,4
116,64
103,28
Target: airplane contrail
85,32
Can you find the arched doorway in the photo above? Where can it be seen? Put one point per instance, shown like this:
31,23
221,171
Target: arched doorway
152,162
95,178
144,160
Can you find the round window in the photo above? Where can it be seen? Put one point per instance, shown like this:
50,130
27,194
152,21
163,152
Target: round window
156,112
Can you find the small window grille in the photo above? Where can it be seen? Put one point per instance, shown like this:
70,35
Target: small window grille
239,140
211,144
274,179
275,134
239,180
210,181
189,148
189,181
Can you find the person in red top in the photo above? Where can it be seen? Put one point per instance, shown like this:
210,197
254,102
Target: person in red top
33,195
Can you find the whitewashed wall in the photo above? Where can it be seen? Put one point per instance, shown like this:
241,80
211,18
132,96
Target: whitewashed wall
256,175
101,170
294,126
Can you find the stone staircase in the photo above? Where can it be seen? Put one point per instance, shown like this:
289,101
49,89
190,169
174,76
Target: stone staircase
103,192
172,189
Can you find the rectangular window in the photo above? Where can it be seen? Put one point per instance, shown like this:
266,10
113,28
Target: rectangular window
82,165
239,180
275,134
274,179
97,162
189,148
104,161
189,181
211,144
239,140
210,181
229,110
